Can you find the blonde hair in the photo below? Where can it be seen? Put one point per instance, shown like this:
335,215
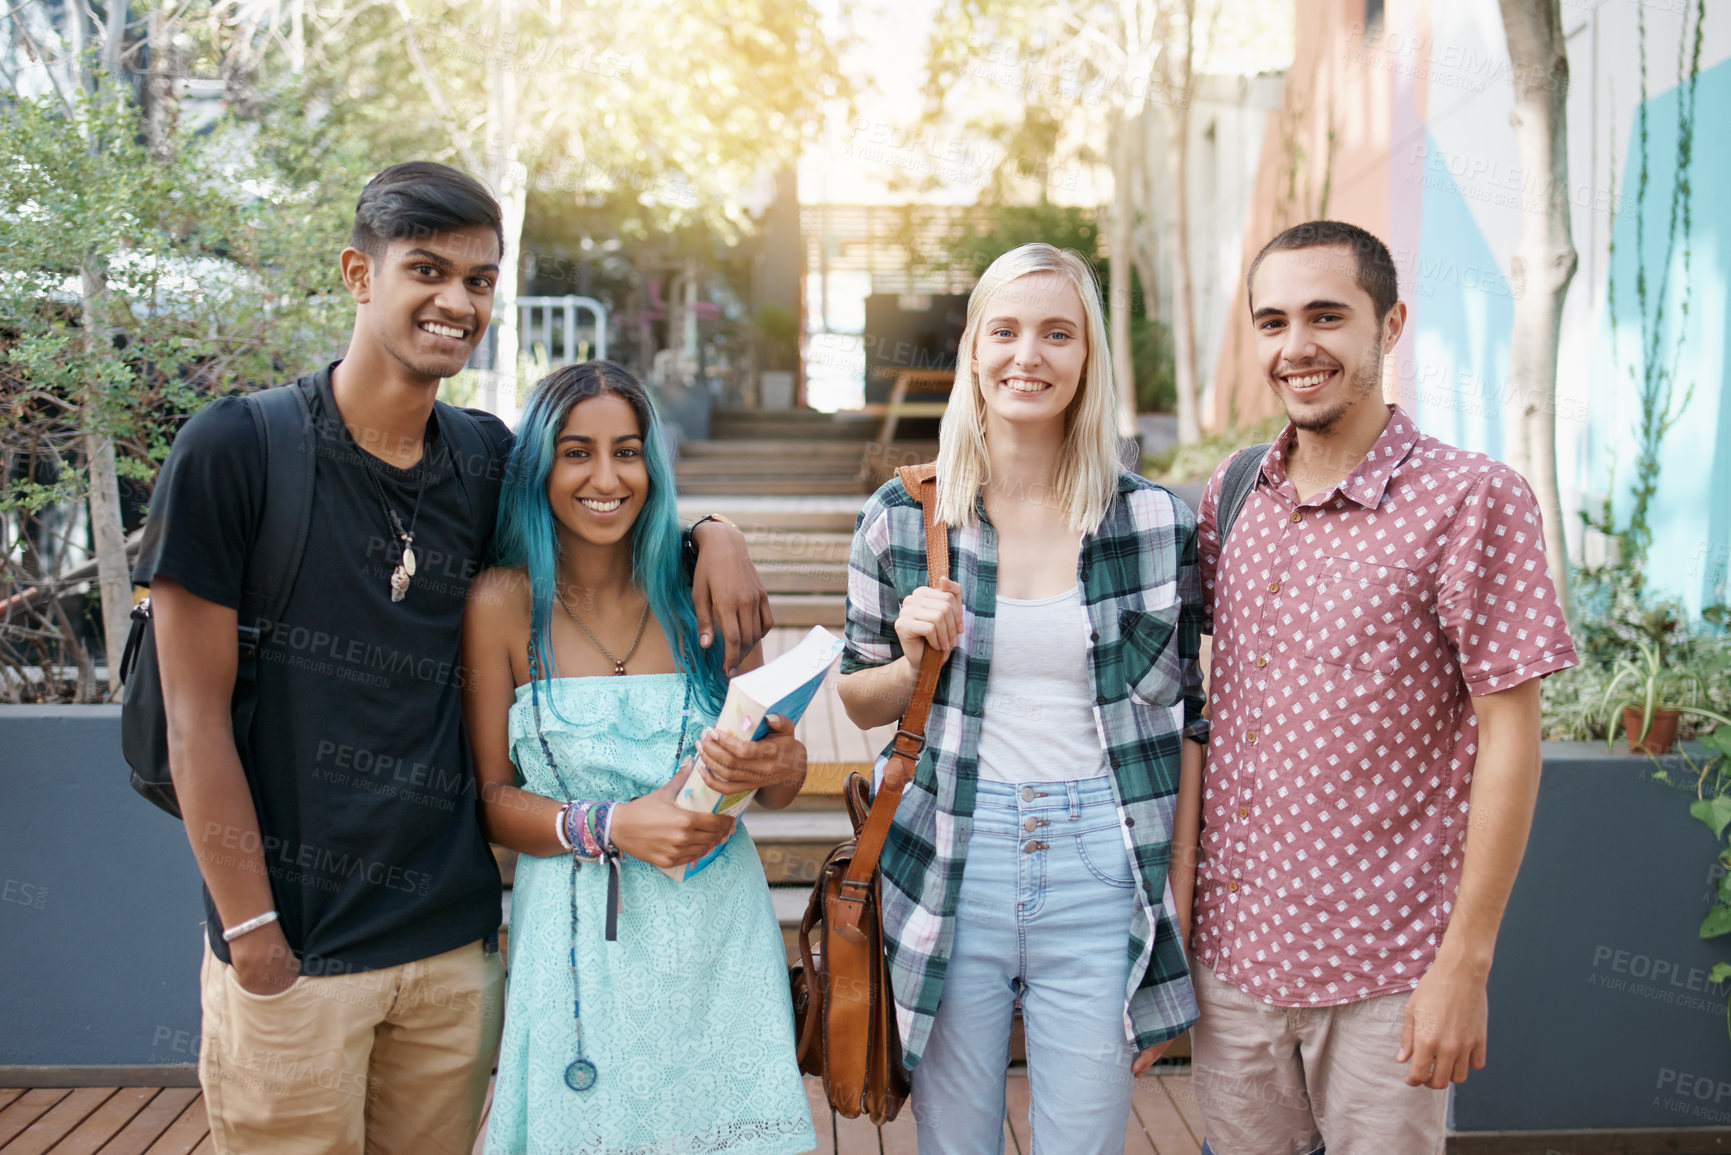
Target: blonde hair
1087,476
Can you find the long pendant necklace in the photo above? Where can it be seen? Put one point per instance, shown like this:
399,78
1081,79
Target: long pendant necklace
580,1072
618,663
405,538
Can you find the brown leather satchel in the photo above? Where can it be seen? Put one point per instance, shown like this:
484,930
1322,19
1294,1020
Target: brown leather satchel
844,1012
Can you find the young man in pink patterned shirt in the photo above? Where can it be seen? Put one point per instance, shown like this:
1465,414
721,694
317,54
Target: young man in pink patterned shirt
1382,615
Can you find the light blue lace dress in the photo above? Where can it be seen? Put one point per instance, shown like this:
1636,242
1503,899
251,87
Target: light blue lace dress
686,1016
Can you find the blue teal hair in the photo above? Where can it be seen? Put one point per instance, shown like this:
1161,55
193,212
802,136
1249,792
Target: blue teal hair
525,536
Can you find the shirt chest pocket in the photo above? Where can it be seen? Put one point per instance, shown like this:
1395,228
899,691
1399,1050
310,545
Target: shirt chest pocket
1149,642
1362,616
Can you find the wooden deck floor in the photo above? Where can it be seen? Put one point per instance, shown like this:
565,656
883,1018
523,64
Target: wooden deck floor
171,1121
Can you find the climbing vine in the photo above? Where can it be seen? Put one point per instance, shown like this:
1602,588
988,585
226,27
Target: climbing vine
1655,375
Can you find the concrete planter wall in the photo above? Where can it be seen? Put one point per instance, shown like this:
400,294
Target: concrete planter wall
1600,1011
1601,1015
100,915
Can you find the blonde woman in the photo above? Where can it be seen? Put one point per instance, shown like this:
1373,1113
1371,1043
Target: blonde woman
1027,864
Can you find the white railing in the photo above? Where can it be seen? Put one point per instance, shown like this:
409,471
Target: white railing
563,341
552,323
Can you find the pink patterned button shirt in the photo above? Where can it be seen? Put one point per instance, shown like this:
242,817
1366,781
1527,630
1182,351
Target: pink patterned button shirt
1350,632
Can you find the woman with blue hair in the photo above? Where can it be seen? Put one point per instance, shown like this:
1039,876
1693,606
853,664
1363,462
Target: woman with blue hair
642,1013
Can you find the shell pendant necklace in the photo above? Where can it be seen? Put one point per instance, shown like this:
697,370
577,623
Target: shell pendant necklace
618,663
403,538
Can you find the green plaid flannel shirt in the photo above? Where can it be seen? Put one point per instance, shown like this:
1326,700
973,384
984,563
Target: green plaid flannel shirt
1142,588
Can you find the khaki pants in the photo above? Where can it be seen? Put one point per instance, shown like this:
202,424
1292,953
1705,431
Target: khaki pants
389,1062
1285,1080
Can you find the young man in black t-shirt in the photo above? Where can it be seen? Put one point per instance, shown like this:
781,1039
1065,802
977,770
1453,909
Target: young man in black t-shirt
352,986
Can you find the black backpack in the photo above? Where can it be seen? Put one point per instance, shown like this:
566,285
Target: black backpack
284,423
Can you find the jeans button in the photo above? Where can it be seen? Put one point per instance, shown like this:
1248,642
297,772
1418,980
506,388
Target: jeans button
1027,794
1030,823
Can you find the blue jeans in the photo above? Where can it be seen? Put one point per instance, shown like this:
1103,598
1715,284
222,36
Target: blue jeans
1043,921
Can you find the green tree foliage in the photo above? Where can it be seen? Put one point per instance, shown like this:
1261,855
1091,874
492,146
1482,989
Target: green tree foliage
216,270
133,287
680,105
649,117
979,240
982,238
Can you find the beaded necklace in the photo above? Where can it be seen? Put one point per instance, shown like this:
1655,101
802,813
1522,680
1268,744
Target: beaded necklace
580,1073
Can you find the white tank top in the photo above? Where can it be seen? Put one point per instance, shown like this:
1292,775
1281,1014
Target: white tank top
1038,722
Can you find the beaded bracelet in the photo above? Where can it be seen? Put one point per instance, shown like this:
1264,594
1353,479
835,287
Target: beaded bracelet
593,828
574,823
585,828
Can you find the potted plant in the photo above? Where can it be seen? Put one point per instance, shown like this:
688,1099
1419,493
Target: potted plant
778,346
1651,700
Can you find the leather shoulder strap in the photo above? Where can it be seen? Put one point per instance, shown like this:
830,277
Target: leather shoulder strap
921,483
1235,487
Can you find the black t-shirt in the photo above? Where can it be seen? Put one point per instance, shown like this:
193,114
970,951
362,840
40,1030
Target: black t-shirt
359,767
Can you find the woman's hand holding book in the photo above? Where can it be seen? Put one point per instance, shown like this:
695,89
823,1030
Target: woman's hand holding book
656,830
732,764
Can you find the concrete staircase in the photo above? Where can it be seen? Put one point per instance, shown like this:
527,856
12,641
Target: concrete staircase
795,453
799,545
794,481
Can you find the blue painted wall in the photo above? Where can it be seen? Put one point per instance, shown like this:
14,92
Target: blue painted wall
1463,318
1691,514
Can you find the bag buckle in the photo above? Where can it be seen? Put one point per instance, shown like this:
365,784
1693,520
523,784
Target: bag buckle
918,740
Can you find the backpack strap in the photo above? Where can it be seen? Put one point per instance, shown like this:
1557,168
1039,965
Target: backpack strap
472,454
1241,475
921,483
284,422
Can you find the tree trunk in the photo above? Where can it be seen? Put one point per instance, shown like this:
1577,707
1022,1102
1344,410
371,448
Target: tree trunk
161,87
297,41
1183,294
1121,245
513,193
113,575
1147,226
107,527
514,203
113,40
1544,262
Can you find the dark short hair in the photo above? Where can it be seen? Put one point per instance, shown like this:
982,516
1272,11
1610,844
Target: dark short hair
418,199
1376,275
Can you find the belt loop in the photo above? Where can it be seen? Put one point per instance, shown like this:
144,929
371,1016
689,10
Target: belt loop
1075,795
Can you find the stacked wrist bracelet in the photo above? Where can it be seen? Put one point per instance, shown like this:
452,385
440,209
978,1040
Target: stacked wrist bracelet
586,829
